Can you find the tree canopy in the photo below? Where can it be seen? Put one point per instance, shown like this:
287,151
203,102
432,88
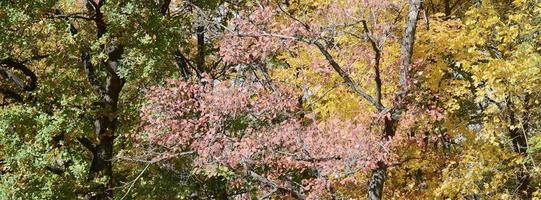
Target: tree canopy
270,99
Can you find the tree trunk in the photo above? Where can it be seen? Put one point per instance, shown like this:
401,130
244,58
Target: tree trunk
375,186
519,139
105,120
376,182
200,59
105,125
447,8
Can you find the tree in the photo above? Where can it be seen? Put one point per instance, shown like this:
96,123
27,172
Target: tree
399,102
80,66
344,99
263,42
486,56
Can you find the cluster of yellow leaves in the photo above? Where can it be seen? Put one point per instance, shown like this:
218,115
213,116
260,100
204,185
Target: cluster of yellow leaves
490,58
324,90
471,65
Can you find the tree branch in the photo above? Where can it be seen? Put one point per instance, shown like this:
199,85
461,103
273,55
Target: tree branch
347,78
132,183
11,94
90,73
60,15
87,144
164,8
200,59
94,7
296,194
11,63
114,55
7,74
179,57
406,50
377,57
55,170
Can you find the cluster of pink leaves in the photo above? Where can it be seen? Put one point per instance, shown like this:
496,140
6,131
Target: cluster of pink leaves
242,126
184,116
255,35
267,29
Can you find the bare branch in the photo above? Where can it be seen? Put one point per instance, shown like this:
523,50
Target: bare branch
345,76
426,18
377,101
377,57
183,63
305,25
296,194
132,183
347,79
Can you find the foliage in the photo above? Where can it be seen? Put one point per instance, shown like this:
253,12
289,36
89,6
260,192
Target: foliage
172,99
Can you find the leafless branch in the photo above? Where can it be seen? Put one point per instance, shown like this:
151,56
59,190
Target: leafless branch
377,57
345,76
132,183
296,194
